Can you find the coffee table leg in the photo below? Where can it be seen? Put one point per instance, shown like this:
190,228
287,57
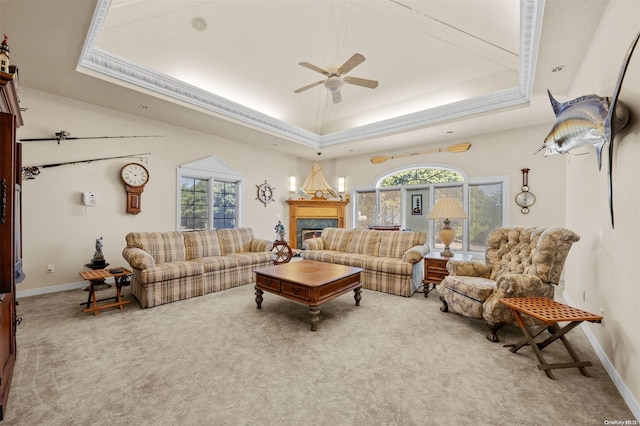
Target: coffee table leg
314,316
357,295
259,297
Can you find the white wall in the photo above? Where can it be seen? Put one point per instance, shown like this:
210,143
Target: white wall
58,230
604,272
495,154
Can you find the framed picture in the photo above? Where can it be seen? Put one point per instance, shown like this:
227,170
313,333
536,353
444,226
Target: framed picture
416,204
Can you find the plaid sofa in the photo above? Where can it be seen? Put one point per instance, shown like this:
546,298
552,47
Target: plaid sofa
171,266
392,261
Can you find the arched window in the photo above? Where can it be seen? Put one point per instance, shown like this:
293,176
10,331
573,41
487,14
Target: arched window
404,198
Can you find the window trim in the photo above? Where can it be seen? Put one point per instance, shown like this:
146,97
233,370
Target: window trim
211,169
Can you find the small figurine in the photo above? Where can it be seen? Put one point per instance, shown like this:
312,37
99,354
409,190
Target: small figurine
279,228
98,253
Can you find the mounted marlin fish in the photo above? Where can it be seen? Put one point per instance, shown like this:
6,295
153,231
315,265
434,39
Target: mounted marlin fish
590,120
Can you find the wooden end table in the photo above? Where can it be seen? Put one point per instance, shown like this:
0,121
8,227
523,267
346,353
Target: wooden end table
309,282
435,269
98,274
550,313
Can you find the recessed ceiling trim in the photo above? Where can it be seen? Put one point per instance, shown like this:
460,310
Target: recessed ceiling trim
95,60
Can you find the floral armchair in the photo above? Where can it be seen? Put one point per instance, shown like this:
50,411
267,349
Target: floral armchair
520,262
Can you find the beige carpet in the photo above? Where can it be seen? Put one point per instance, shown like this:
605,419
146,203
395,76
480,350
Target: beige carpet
217,360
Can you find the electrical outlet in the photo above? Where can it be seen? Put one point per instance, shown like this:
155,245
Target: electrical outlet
51,268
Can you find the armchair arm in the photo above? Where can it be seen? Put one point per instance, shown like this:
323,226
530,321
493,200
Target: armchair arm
514,285
313,244
415,254
258,245
468,269
138,258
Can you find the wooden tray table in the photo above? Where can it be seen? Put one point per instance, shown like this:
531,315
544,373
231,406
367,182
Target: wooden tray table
97,274
550,313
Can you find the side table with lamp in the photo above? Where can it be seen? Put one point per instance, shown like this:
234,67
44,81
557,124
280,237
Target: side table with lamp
435,264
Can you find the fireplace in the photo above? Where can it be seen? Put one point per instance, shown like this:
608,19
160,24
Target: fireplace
312,216
312,228
310,233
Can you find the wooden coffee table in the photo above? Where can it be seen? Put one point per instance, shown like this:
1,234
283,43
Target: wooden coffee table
309,282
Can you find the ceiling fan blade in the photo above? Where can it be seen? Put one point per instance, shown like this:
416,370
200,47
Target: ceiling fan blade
314,68
351,63
336,96
309,86
371,84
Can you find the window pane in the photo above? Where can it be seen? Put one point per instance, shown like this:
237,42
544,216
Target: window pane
194,204
456,224
366,203
485,213
389,208
225,210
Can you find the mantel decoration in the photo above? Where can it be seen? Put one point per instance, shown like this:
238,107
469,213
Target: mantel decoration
447,208
317,185
590,120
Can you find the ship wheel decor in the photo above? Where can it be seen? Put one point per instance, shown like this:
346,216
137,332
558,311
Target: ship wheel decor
265,193
525,199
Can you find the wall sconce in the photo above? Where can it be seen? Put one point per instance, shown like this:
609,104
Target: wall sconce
292,184
340,183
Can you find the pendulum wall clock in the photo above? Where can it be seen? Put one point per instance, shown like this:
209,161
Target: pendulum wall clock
135,176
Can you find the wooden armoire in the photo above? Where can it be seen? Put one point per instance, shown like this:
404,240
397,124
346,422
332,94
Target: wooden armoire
10,230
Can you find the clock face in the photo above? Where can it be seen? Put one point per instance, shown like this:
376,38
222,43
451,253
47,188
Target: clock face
134,174
319,193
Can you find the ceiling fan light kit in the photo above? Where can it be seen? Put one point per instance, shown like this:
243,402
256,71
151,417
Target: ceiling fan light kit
335,79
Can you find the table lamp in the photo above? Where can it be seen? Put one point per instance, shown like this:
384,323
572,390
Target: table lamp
447,208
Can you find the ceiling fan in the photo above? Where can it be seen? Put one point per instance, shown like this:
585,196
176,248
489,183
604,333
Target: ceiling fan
336,79
63,135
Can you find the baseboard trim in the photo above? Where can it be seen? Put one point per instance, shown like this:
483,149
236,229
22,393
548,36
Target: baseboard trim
626,394
52,289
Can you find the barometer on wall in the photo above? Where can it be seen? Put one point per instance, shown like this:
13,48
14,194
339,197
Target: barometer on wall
525,199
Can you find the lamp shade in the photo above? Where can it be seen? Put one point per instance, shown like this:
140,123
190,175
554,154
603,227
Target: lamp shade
447,208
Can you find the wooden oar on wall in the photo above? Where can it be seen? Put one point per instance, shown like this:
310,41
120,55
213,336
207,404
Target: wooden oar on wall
459,147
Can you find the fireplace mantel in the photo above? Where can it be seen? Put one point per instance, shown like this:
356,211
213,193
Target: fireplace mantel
314,209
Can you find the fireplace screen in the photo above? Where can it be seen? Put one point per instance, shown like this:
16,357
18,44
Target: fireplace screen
310,233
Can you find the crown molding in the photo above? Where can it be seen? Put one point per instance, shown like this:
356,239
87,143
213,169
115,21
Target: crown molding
103,64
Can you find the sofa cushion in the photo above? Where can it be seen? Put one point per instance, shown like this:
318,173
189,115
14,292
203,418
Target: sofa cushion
170,270
248,258
162,246
234,240
201,244
475,288
337,239
395,243
365,242
387,265
319,255
217,263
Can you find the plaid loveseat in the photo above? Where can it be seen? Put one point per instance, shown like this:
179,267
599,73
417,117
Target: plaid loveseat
392,260
171,266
